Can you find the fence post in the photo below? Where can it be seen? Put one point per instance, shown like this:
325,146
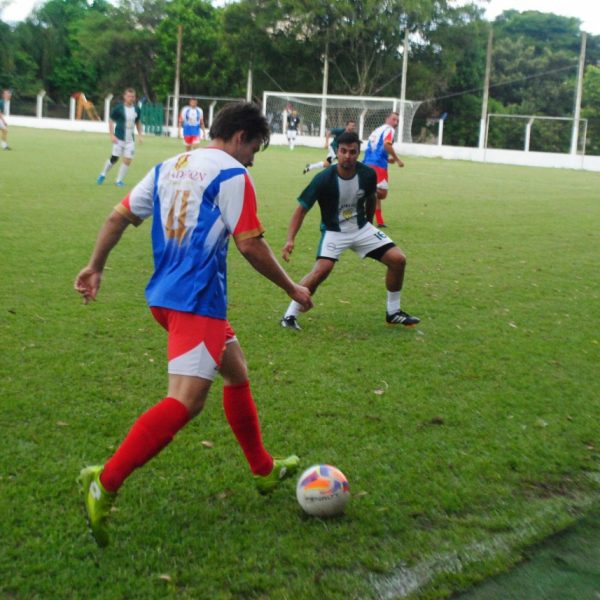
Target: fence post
39,105
71,108
440,132
528,134
107,100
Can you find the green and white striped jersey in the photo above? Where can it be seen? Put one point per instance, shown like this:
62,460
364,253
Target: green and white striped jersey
125,118
342,201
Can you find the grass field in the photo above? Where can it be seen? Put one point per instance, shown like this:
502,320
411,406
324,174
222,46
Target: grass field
465,440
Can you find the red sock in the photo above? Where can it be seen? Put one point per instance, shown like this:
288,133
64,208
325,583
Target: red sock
378,216
240,411
148,436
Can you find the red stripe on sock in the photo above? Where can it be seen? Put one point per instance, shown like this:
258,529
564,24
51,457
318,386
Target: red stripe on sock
149,435
378,216
242,416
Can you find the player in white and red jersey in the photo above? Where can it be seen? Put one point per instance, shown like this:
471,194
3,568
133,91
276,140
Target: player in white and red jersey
379,152
197,201
191,121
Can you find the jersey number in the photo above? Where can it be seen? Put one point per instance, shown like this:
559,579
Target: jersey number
178,232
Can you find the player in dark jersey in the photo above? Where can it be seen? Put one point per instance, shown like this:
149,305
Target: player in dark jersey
293,122
331,143
346,196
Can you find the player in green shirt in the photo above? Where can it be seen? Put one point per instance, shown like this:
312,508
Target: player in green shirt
332,147
346,195
6,96
124,118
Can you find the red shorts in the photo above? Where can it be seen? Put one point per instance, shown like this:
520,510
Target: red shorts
382,177
190,140
195,343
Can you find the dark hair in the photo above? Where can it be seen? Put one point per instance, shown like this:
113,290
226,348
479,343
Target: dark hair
348,137
350,121
241,116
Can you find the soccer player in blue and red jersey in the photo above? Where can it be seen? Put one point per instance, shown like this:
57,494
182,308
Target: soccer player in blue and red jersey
380,151
191,121
198,200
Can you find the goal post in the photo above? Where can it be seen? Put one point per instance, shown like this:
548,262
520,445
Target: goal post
549,134
369,112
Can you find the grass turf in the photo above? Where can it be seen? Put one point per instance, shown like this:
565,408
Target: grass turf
465,440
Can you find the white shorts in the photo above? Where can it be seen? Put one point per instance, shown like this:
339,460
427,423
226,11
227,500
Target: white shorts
331,155
2,125
124,149
291,134
367,241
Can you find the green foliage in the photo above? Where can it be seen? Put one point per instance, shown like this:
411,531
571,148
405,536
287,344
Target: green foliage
591,107
207,66
464,440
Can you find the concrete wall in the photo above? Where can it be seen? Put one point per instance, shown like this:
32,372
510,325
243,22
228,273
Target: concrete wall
506,157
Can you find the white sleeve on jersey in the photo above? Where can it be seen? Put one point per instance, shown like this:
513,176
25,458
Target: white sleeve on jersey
140,201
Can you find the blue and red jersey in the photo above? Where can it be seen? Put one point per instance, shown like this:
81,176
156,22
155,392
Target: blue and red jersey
197,201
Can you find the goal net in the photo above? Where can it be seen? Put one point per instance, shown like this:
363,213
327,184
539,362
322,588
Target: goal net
319,113
534,133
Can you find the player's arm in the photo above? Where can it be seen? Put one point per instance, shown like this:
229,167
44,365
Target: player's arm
111,131
87,282
392,156
259,254
140,129
293,229
370,207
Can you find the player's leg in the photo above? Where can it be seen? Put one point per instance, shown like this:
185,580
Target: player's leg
381,195
395,261
117,151
194,349
242,417
128,153
322,164
4,137
372,243
320,272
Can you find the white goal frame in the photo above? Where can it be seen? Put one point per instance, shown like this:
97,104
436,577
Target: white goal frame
368,111
530,120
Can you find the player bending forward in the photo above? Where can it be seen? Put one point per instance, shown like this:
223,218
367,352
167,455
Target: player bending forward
197,201
124,118
332,147
346,196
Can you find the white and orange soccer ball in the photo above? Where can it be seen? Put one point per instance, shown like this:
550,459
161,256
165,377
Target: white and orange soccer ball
323,491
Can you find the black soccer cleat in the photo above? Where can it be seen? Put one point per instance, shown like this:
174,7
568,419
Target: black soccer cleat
401,318
290,323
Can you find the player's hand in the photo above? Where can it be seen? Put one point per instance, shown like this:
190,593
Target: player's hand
87,283
115,139
400,163
140,139
302,296
287,250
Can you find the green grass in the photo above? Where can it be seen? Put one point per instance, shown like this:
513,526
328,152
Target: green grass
484,441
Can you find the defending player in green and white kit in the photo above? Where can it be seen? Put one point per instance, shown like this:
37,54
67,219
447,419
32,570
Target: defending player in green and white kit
346,196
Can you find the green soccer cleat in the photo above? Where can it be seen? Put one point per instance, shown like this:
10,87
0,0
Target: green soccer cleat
98,502
283,468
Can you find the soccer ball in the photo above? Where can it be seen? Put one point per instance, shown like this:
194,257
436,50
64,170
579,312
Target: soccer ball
323,491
